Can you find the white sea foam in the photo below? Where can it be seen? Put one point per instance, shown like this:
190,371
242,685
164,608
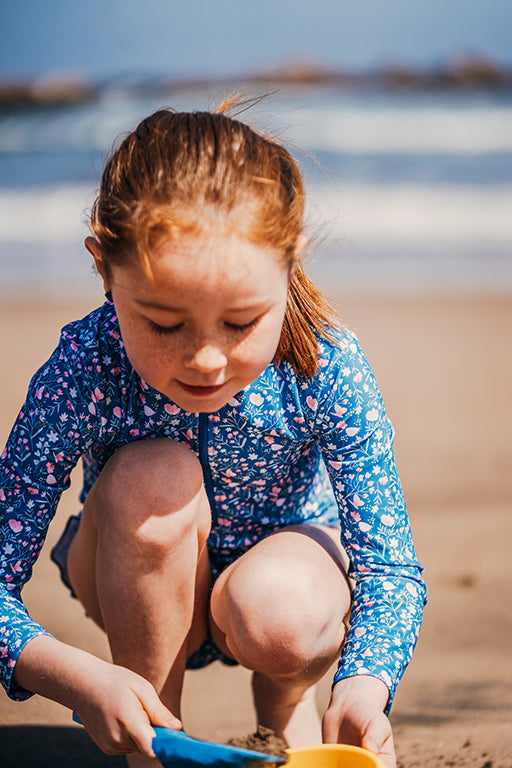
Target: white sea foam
361,128
367,212
449,214
53,214
422,130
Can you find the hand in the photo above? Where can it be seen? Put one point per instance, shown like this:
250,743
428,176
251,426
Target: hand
356,716
119,709
116,706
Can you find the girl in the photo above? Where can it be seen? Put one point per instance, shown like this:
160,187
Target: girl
230,433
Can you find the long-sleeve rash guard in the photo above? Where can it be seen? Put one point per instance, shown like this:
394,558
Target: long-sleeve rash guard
285,450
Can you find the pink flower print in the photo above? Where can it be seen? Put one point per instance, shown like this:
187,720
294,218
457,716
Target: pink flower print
256,398
388,520
171,409
339,411
39,392
358,377
98,394
356,501
372,415
16,568
92,408
351,431
117,412
15,526
2,494
148,411
134,432
359,631
312,402
335,464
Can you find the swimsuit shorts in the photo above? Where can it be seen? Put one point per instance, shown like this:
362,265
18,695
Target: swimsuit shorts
219,561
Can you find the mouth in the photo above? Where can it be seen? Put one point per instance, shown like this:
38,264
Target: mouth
199,390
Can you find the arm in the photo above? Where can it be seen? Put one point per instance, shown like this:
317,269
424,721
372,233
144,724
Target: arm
356,440
117,706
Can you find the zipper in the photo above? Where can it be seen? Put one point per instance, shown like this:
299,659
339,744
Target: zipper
203,458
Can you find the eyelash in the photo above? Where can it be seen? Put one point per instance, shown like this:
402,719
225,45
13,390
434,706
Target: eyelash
162,330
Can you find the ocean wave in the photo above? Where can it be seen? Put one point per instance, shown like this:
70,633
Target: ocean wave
361,212
422,130
407,213
362,128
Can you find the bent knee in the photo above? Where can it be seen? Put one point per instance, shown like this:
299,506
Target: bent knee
145,484
282,623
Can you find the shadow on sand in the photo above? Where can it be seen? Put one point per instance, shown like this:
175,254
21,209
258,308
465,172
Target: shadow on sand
38,746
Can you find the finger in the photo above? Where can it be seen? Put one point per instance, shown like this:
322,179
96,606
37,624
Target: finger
142,735
160,715
379,739
330,729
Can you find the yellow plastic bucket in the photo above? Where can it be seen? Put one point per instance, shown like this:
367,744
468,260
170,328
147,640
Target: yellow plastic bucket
332,756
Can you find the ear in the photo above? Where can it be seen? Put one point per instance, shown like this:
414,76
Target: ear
302,241
94,249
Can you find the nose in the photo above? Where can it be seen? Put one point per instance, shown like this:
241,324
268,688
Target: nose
207,358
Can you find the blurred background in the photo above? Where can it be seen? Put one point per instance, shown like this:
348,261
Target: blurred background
400,114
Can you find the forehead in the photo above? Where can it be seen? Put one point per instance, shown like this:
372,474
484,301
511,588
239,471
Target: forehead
227,269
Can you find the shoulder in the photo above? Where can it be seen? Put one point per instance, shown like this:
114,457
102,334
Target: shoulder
89,350
93,330
339,357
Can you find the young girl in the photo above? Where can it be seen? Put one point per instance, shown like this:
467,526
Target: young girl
232,435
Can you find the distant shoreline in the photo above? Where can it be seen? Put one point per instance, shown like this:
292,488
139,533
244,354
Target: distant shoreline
462,73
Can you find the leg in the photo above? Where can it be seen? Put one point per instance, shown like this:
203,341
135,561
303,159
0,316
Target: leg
139,564
279,611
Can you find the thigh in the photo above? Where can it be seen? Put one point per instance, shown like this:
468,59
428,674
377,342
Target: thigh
301,565
140,488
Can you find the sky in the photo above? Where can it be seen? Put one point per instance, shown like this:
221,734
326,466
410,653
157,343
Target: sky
99,39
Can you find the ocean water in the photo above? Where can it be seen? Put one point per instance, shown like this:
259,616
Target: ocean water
407,192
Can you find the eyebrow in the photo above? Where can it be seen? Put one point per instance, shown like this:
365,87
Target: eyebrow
156,305
166,308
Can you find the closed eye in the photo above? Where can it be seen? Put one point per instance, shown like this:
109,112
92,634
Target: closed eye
243,326
164,330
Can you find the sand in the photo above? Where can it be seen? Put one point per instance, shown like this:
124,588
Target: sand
445,368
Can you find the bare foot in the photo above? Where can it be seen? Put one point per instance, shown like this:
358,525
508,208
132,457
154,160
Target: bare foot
288,710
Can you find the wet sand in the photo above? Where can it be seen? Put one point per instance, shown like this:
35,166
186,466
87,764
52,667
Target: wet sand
445,369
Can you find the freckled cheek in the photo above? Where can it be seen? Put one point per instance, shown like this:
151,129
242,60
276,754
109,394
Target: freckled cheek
253,356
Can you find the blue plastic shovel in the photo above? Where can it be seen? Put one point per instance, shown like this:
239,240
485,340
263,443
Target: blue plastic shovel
175,749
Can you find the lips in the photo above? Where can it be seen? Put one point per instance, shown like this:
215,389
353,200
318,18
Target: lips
200,391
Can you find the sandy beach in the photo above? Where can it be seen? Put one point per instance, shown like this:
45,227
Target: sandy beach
445,369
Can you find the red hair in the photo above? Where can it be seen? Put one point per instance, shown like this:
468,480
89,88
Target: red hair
180,170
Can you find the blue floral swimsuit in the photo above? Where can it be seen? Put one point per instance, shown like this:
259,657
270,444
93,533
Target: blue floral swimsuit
285,450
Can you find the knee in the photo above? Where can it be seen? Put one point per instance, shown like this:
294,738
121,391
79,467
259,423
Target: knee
282,623
152,489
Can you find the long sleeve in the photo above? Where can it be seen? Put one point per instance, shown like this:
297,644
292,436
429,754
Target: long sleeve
50,434
356,439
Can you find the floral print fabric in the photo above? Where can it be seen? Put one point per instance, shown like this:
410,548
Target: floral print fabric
284,450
